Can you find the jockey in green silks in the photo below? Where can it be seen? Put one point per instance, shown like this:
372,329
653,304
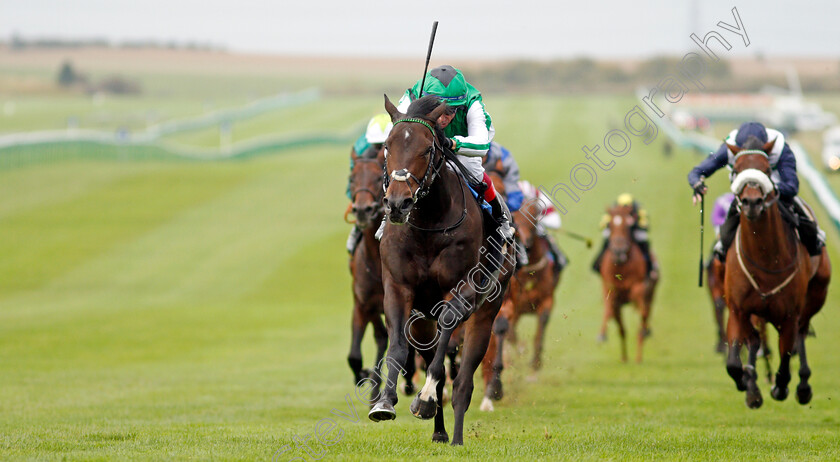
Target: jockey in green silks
469,128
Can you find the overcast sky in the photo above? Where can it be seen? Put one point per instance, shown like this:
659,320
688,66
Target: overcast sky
484,29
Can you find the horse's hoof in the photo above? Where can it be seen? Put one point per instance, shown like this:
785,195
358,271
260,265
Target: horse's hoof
737,375
486,405
779,394
423,409
382,411
440,437
602,338
804,394
754,400
496,390
409,389
721,347
647,333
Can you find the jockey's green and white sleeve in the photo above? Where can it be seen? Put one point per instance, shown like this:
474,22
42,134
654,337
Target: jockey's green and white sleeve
480,132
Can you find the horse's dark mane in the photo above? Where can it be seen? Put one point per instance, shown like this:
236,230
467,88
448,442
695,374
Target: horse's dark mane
421,108
752,143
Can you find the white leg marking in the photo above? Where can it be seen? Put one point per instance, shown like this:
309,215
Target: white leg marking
429,391
486,405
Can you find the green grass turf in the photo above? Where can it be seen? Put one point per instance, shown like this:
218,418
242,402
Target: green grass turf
171,310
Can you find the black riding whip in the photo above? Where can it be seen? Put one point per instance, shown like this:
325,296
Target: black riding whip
428,58
702,209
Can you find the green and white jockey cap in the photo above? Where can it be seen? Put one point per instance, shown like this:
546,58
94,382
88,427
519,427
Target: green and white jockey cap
445,82
378,129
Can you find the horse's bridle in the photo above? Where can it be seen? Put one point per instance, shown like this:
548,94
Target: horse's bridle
376,197
432,172
432,169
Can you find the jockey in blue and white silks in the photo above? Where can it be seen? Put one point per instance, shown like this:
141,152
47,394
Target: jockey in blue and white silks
783,176
500,159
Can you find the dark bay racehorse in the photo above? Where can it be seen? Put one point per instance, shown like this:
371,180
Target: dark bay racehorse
443,265
769,274
623,273
531,291
366,269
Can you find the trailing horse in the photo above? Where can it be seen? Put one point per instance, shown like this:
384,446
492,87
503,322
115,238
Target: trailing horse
769,274
623,273
443,265
366,269
531,291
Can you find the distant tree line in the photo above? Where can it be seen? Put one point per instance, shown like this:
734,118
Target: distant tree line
19,43
69,78
588,75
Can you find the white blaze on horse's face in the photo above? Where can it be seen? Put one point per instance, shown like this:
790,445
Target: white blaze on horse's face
407,134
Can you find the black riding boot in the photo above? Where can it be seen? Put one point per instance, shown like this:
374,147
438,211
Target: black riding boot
501,215
727,230
596,265
645,247
560,260
808,231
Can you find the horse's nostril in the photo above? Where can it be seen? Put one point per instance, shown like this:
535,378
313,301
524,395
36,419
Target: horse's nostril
406,203
369,208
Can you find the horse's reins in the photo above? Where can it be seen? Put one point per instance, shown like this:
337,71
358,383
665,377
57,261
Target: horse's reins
433,169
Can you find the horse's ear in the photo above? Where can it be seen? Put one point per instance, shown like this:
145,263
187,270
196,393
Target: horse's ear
392,110
437,112
353,154
768,146
733,148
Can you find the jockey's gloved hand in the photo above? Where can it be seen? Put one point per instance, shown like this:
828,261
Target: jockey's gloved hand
452,144
700,190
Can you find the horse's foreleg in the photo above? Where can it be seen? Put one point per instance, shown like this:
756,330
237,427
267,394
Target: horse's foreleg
487,373
543,314
803,390
753,398
477,336
354,358
425,404
608,314
720,308
380,334
733,359
397,302
621,333
410,369
644,328
787,339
